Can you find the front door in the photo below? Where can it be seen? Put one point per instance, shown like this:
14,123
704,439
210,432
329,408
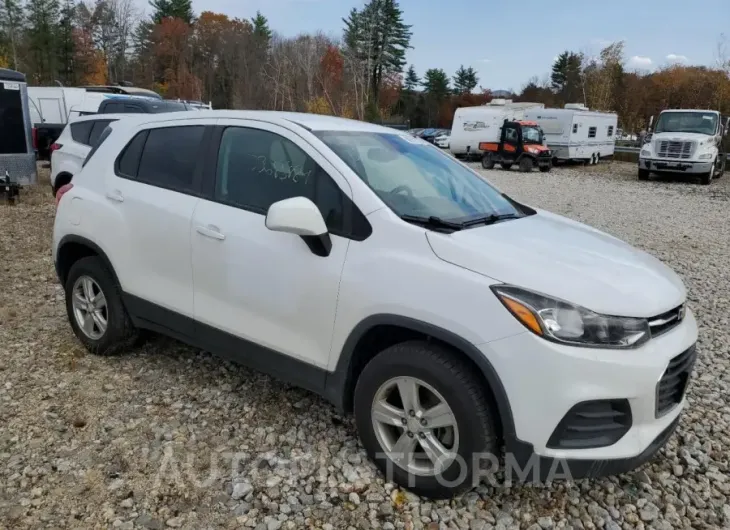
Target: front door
265,287
510,141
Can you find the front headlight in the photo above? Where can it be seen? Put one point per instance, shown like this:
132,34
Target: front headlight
645,153
705,156
566,323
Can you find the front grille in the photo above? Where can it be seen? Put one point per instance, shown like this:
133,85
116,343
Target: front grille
592,424
672,149
662,323
671,387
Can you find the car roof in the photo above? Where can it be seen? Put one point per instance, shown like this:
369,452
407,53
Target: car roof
313,122
692,110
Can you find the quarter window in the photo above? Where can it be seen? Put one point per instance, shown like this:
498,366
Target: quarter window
575,128
169,156
80,131
96,130
610,131
258,168
591,132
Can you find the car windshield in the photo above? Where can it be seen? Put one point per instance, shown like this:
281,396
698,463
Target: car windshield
687,122
531,134
416,179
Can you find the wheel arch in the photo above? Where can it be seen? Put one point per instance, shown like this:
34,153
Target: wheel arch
72,248
63,177
375,333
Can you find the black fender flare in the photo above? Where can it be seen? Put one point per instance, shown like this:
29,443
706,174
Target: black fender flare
339,382
79,240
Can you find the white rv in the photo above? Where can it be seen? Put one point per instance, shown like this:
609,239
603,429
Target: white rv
576,132
483,124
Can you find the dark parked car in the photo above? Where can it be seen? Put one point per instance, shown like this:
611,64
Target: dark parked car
430,134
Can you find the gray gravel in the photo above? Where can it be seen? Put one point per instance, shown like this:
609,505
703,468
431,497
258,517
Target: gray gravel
169,437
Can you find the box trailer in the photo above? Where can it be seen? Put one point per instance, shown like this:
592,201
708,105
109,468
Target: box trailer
577,133
483,123
17,156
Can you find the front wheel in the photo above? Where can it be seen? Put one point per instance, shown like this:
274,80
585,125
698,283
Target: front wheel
643,174
706,178
425,420
95,308
488,161
526,164
546,168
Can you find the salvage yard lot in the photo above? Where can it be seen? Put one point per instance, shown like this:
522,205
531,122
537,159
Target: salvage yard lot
169,436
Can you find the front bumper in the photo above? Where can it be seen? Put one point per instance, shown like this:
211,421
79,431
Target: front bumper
543,381
675,166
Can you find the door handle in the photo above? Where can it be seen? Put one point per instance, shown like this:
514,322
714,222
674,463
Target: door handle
210,231
115,195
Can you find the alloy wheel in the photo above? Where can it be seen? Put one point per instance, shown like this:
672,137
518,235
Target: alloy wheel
89,307
415,426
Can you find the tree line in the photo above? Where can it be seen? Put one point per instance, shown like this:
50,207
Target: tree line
244,64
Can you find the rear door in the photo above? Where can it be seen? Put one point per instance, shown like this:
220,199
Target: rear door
155,189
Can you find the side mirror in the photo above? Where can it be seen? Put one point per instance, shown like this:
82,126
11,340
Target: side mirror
727,126
301,217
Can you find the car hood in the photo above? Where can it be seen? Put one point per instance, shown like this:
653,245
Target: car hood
680,137
556,256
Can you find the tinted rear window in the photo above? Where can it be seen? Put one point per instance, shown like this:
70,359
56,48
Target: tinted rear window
80,131
129,161
169,157
105,134
96,130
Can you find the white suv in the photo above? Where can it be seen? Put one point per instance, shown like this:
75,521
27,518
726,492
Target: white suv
367,266
73,145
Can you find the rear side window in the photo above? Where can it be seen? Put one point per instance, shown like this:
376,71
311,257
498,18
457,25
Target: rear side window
113,107
591,132
104,136
80,131
169,156
128,163
96,130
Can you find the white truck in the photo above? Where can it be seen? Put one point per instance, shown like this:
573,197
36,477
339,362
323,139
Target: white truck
577,133
685,141
483,123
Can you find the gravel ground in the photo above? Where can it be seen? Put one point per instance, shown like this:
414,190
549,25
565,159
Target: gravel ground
169,437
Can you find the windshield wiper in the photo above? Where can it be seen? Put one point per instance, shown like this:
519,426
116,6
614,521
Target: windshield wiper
432,222
489,219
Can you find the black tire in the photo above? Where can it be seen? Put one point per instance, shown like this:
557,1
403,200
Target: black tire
464,392
506,166
526,164
546,168
643,174
61,180
720,172
488,161
120,332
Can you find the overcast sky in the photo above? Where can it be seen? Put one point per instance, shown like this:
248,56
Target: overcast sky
509,43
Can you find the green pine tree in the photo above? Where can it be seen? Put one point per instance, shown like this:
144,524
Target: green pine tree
66,47
261,27
566,76
43,17
182,9
465,80
379,38
412,81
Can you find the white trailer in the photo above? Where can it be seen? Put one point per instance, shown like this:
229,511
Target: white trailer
576,132
484,124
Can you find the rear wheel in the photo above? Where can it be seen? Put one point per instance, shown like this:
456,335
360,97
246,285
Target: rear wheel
643,174
95,308
506,166
423,417
526,164
546,168
488,161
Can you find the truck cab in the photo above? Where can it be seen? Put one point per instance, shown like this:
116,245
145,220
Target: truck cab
521,142
685,142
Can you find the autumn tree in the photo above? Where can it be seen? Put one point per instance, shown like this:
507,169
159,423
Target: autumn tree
465,80
11,24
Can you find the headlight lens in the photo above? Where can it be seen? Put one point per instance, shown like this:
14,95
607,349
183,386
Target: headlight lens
645,152
566,323
705,156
